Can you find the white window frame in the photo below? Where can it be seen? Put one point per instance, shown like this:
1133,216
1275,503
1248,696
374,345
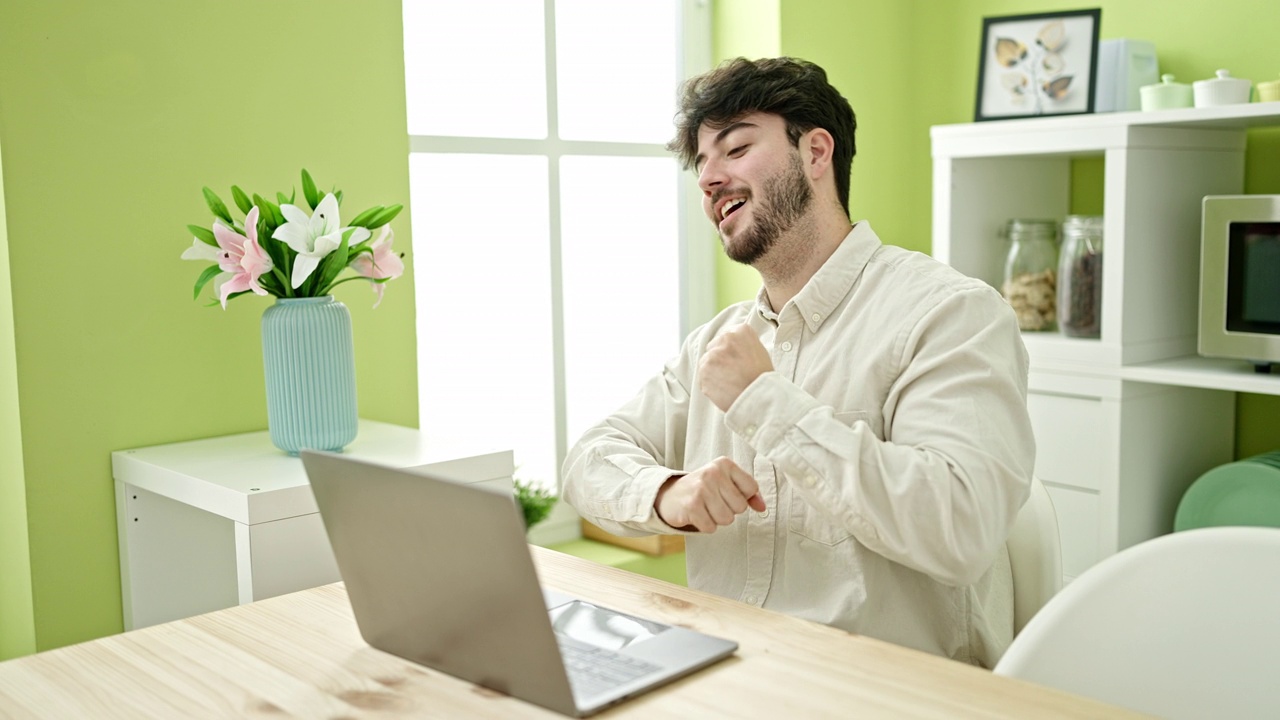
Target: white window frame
697,250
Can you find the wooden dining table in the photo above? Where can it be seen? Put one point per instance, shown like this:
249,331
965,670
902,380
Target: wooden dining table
301,655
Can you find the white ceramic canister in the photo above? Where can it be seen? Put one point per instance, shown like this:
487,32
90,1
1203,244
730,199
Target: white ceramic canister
1269,91
1221,90
1165,94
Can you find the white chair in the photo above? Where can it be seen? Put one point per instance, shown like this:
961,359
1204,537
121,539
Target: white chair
1183,626
1035,555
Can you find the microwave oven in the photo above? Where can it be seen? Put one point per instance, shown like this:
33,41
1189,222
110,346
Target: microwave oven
1240,278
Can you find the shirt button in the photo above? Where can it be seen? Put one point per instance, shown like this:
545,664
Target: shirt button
786,346
816,317
764,513
810,480
751,599
750,430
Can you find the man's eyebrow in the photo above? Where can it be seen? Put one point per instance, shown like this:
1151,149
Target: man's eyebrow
720,136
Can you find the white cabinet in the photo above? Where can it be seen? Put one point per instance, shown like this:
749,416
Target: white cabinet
1126,422
208,524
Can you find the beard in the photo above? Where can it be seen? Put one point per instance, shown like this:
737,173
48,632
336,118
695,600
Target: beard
784,200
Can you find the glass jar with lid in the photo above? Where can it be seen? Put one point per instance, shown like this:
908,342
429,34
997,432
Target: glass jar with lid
1080,277
1030,273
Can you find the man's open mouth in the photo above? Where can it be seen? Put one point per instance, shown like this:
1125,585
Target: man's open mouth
731,207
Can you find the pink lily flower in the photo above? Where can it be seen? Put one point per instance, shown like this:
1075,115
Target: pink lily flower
241,257
381,263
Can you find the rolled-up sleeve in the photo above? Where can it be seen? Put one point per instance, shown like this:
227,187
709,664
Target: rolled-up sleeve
613,473
939,492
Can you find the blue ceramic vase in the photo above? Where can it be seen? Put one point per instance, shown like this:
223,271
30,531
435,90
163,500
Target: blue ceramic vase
309,360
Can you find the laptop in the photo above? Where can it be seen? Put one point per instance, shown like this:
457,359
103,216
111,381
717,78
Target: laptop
439,573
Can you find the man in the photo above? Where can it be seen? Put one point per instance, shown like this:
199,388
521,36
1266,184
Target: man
853,445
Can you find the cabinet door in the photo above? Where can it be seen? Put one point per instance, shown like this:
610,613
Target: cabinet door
175,560
1069,434
1069,439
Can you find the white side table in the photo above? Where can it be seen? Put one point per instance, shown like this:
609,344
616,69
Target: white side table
208,524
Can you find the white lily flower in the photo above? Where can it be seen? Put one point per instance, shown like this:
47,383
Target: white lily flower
201,250
314,237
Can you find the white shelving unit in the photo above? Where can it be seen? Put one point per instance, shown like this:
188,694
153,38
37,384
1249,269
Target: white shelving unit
208,524
1126,422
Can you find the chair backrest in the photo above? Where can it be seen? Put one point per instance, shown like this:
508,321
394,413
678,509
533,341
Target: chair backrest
1035,555
1182,626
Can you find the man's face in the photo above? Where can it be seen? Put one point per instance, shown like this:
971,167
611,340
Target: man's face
754,187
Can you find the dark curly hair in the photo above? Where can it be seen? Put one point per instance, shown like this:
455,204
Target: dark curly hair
797,90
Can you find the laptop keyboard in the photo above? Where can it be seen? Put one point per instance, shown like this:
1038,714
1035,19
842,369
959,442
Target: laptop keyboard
594,670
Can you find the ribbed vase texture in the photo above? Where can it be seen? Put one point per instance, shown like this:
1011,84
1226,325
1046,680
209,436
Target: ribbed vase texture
309,360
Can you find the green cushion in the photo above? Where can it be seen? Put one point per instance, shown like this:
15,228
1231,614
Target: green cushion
1246,492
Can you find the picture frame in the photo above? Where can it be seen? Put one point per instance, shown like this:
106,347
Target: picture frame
1038,65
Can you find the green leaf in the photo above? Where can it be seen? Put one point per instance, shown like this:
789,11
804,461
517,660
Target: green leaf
204,279
386,216
217,206
362,220
283,199
204,234
270,284
242,200
535,501
361,247
337,195
276,250
309,189
282,279
333,263
269,208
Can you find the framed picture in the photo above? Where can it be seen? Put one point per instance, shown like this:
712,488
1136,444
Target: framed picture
1033,65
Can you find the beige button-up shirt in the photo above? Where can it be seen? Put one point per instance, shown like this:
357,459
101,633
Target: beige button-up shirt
891,444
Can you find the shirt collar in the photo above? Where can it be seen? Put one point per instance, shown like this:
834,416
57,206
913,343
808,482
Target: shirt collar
832,283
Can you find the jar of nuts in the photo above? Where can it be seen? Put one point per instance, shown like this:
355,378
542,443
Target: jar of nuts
1030,273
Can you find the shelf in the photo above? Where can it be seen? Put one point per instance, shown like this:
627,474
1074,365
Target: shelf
1093,134
1203,372
1052,348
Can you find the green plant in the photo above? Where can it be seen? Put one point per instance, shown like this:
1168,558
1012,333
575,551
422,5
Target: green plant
535,501
279,249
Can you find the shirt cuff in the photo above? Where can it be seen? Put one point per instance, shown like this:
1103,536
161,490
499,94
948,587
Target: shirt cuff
651,480
766,409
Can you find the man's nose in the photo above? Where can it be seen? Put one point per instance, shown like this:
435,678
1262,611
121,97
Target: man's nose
711,176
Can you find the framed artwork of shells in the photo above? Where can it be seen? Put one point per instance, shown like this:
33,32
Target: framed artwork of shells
1035,65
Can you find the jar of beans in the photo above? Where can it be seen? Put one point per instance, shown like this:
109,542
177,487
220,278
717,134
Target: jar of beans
1030,273
1080,277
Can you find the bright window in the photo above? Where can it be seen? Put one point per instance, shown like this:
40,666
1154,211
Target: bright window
551,227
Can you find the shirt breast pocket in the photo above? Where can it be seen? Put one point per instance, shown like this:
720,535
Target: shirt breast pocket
820,526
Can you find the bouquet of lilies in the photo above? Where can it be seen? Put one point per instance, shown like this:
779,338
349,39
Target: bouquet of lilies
279,249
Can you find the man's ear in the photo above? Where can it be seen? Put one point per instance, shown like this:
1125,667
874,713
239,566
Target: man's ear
820,147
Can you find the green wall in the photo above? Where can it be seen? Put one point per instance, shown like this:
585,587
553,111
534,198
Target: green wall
741,28
17,632
112,117
907,65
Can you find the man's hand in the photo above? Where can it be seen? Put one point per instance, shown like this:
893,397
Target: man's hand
733,360
708,497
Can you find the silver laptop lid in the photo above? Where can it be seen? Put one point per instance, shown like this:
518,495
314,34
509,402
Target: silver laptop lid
475,610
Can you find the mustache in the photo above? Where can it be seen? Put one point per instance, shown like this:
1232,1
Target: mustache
719,195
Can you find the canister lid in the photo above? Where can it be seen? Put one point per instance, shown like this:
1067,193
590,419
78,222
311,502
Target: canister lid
1224,79
1165,80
